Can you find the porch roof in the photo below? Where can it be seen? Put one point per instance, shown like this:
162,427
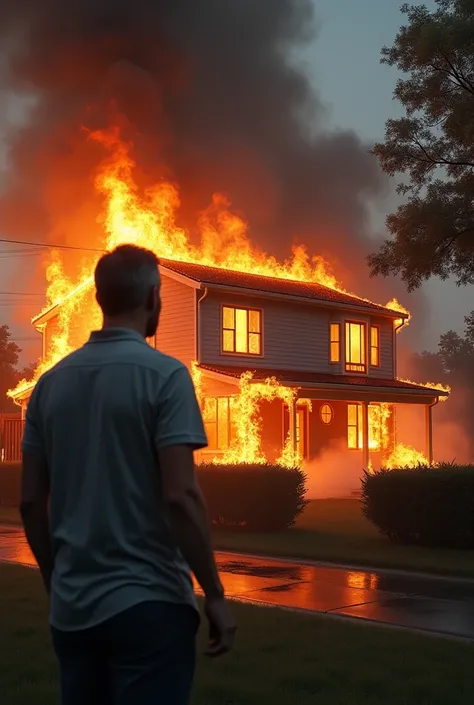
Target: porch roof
335,383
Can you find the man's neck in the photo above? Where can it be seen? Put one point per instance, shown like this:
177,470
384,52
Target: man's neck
122,322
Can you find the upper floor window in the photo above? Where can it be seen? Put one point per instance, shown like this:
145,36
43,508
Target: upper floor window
356,347
375,346
334,342
241,330
218,422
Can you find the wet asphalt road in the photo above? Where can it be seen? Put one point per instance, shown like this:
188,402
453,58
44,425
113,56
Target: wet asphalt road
430,604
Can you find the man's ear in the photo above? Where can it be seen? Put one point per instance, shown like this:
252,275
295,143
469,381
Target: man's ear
154,301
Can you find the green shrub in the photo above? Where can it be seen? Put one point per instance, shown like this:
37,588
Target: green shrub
10,476
429,506
253,497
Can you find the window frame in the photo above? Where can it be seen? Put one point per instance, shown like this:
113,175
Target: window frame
236,307
326,423
372,347
358,426
364,326
335,342
210,449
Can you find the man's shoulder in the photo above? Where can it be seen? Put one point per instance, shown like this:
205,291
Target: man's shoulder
164,365
66,361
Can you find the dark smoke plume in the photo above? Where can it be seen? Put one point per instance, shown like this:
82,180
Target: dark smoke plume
210,99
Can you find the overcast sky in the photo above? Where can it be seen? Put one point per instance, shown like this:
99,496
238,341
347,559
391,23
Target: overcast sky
344,64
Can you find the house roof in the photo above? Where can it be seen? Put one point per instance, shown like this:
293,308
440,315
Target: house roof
227,278
310,291
321,379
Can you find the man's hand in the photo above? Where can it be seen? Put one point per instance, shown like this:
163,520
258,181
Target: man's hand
222,626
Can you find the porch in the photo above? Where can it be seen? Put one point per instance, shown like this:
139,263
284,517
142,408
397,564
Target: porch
337,426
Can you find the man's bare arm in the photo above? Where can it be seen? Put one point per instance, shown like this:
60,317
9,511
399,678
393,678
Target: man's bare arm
34,512
188,514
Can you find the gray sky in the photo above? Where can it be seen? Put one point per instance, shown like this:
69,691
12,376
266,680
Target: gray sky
357,89
344,66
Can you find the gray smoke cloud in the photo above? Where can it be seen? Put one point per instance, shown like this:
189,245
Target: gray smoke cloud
208,95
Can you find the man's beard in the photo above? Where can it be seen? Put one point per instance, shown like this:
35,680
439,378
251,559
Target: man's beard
152,323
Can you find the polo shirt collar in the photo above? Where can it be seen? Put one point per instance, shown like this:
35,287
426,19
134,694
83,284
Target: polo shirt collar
115,335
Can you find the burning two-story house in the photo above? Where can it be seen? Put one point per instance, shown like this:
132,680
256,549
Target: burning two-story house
284,369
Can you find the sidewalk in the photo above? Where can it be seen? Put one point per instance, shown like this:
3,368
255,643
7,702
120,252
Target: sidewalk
437,605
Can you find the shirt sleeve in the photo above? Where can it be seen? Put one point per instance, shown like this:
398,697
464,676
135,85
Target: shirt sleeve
179,419
33,438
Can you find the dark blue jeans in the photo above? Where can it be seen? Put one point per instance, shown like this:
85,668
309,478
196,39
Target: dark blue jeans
143,656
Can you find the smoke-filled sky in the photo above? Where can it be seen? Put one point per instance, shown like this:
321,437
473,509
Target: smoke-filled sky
274,103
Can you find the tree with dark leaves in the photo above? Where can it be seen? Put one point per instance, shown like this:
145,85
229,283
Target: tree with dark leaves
9,355
432,146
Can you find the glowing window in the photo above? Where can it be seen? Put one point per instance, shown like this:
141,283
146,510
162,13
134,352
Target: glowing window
218,422
241,330
326,413
334,342
354,427
355,347
375,346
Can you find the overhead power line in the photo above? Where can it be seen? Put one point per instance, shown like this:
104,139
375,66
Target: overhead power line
52,247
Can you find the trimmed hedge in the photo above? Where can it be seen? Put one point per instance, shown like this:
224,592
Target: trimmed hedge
10,477
251,497
428,506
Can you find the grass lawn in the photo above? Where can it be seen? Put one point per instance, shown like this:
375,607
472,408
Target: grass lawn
334,531
280,658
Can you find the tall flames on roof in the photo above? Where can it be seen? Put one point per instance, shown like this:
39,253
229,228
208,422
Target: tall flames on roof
148,219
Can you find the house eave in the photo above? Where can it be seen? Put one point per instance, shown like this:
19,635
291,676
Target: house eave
23,394
349,392
50,312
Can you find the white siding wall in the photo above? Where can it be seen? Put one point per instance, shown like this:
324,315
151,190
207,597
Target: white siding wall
386,349
176,332
295,336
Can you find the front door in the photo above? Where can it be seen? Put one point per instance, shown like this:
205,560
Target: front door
302,419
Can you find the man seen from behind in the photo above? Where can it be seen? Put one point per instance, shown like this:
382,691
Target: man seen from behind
111,507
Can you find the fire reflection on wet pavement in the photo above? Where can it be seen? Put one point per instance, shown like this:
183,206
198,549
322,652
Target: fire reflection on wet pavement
435,605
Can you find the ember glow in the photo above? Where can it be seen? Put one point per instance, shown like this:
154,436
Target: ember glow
148,218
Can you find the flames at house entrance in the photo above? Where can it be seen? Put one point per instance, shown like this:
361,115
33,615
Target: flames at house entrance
147,217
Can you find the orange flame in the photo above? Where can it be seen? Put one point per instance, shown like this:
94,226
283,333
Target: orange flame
394,455
404,456
431,385
148,219
399,323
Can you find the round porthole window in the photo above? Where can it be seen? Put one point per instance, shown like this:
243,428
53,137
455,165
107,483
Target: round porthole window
326,413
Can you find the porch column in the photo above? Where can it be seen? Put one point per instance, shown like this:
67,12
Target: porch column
365,435
429,432
292,427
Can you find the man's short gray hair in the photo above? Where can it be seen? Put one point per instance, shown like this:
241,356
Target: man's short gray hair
124,279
